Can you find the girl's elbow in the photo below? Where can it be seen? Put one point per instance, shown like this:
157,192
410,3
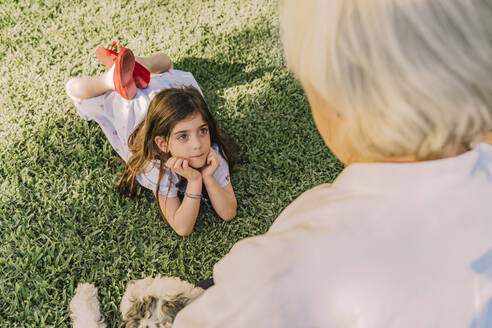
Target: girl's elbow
183,232
229,216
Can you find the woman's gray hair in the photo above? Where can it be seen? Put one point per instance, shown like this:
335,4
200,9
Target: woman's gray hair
409,77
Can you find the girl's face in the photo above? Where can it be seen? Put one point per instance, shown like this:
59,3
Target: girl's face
190,139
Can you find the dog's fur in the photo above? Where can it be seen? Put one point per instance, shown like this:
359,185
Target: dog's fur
149,302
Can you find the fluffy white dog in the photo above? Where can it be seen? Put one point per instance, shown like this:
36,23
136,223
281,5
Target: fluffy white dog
149,302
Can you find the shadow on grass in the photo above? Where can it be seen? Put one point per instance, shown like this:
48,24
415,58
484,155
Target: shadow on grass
253,97
272,124
65,205
218,75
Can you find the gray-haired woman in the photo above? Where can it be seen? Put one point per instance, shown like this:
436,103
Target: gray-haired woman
401,92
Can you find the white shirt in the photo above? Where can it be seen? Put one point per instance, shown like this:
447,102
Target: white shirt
386,245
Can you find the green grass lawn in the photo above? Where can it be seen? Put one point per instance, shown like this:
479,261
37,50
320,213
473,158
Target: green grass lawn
61,222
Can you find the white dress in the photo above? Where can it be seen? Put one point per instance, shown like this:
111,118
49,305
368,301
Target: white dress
118,118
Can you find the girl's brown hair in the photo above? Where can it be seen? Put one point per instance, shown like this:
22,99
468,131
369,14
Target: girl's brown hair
169,107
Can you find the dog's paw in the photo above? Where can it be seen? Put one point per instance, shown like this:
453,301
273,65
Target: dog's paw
85,308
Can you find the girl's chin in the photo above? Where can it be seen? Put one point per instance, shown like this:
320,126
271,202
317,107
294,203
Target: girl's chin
197,164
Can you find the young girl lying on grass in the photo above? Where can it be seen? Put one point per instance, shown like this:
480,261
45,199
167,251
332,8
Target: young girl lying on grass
163,130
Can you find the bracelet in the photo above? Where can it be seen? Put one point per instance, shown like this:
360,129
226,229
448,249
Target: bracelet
193,196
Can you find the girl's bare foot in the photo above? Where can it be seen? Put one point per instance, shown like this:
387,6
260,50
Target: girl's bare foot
90,86
157,63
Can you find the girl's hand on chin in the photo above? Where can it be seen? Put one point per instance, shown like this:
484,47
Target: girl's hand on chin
181,166
211,164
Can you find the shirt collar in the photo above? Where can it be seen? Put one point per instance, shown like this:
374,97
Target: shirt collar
371,177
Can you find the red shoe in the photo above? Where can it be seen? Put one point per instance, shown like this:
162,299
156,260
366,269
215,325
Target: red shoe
108,57
124,83
141,76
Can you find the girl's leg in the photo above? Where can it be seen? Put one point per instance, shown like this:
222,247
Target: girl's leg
157,63
90,86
